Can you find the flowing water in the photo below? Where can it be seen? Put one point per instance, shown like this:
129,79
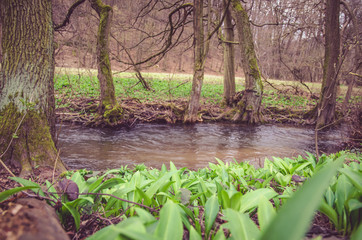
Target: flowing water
186,146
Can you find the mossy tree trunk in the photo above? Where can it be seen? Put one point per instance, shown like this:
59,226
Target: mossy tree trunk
249,107
198,77
108,107
26,85
229,58
327,101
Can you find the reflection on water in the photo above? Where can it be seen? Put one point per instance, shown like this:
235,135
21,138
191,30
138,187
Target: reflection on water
186,146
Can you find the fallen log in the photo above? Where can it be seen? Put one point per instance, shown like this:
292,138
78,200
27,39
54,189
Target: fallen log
30,219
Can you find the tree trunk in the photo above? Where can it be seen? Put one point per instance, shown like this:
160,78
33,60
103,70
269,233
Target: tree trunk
108,107
357,57
229,56
249,107
327,103
198,77
27,119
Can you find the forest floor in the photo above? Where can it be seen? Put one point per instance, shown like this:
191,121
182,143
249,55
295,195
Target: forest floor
91,223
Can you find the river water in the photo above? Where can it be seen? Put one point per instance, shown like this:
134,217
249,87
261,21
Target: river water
191,146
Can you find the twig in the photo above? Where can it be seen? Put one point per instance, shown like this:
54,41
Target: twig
7,169
55,164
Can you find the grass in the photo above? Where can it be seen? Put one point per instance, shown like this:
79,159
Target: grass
78,83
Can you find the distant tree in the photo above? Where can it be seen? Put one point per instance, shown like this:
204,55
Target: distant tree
229,57
199,67
27,119
108,107
326,111
249,107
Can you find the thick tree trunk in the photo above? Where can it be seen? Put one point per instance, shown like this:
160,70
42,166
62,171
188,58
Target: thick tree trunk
249,107
327,103
229,56
108,107
198,77
27,119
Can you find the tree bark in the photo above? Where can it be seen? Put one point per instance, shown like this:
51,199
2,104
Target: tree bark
249,107
27,104
108,107
327,103
198,77
229,59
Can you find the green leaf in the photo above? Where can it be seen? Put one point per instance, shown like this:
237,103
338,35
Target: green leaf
225,200
211,211
251,199
235,201
144,215
266,212
343,190
357,235
6,194
294,217
354,204
170,223
328,210
194,235
220,234
158,183
354,177
240,225
26,183
74,213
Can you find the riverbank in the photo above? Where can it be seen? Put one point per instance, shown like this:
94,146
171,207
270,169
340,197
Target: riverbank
284,102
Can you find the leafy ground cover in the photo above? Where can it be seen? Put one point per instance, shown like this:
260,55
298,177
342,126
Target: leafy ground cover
224,201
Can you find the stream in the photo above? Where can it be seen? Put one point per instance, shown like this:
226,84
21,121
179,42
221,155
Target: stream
191,146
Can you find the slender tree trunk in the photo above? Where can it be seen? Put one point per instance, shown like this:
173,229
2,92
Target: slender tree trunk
357,57
229,59
108,106
27,119
249,107
327,102
198,77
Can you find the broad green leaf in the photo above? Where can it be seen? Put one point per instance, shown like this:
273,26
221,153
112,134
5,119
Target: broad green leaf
354,177
251,199
110,233
108,184
266,212
74,213
343,190
158,183
220,234
175,177
329,197
235,201
144,215
354,204
328,210
357,235
6,194
211,211
194,235
170,223
240,225
26,183
294,217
